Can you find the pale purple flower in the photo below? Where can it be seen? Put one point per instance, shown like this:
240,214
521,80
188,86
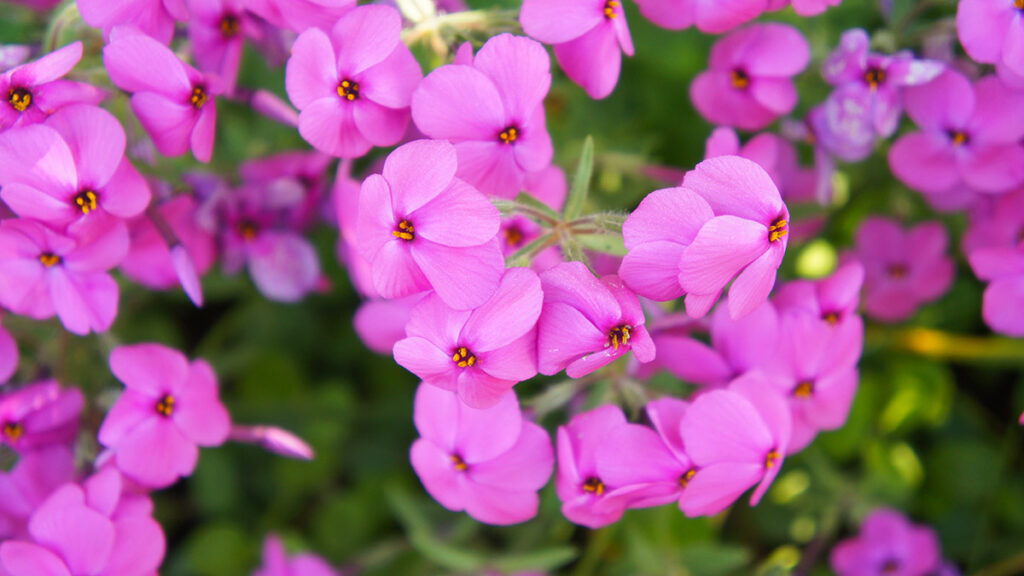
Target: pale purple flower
969,135
589,36
274,439
39,415
169,408
36,475
217,30
745,240
490,463
710,16
888,544
480,354
736,438
995,251
276,562
173,101
353,88
35,90
155,18
422,228
492,111
992,32
303,171
749,81
44,273
903,269
587,323
70,167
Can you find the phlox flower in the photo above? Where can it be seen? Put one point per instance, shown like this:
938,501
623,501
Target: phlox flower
749,81
587,323
86,529
70,167
422,228
876,81
169,408
217,30
888,543
589,36
745,240
43,273
480,354
970,135
273,439
277,563
833,300
36,475
353,87
491,109
489,463
992,32
710,16
300,170
737,438
8,355
300,15
154,18
380,323
174,102
38,415
804,7
996,254
35,90
588,498
903,269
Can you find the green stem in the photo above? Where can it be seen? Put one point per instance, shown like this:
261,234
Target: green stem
1009,567
941,345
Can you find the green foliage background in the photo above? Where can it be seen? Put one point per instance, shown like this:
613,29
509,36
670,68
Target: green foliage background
933,429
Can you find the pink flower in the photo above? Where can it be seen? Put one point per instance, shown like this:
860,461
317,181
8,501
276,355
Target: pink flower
902,269
353,88
168,409
300,15
587,323
833,300
302,171
888,543
480,354
969,135
87,529
746,239
380,324
36,475
804,7
35,90
749,81
489,463
217,31
8,355
736,438
173,101
710,16
492,111
991,32
38,415
589,37
71,166
277,563
43,273
154,18
273,439
996,254
421,228
587,497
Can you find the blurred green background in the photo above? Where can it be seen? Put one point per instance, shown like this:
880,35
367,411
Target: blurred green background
933,434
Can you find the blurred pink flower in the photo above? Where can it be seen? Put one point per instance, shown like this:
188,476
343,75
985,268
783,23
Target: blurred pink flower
995,251
888,543
277,563
35,90
155,18
217,30
991,32
36,475
39,415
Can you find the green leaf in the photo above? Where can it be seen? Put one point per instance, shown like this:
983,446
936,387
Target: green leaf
714,559
531,203
524,256
581,182
445,555
537,561
604,243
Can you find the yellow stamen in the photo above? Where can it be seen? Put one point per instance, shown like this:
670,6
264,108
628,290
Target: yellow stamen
619,336
230,26
1018,4
405,231
19,99
897,271
772,459
165,407
13,431
509,135
959,138
49,259
86,201
513,236
463,358
740,80
609,9
684,480
874,77
804,389
594,486
199,97
459,464
777,230
831,318
348,90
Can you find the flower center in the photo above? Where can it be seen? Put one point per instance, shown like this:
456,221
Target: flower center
513,236
1018,4
49,259
248,230
165,407
831,318
959,137
684,480
740,79
405,231
772,459
348,90
619,336
199,97
463,358
593,485
892,566
86,201
19,99
777,230
13,431
897,271
230,26
609,9
804,389
458,463
875,77
509,135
